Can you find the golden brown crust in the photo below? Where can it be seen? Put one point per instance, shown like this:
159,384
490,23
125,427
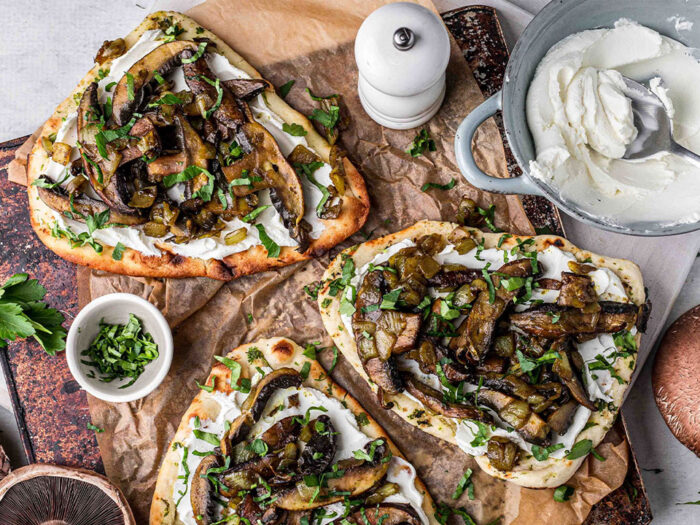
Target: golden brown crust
529,473
279,352
353,214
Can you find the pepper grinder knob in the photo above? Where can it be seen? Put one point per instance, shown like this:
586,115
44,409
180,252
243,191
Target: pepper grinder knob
404,39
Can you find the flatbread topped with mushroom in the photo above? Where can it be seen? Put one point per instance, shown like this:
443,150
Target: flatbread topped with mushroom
174,158
517,349
272,439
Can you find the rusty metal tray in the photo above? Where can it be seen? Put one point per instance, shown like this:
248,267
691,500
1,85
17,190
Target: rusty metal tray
51,409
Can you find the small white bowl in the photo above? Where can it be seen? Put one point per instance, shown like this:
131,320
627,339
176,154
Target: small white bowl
115,308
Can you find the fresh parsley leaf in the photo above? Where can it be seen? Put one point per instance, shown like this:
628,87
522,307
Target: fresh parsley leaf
580,449
118,251
488,215
542,453
389,299
235,368
197,55
208,388
166,100
420,144
437,186
130,86
563,493
254,214
464,483
362,419
258,446
273,249
210,438
286,88
305,369
328,119
44,182
219,96
97,429
295,130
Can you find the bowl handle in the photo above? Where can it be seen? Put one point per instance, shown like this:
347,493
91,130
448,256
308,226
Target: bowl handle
465,159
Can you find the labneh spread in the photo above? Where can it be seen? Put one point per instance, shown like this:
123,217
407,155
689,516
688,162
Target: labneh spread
582,122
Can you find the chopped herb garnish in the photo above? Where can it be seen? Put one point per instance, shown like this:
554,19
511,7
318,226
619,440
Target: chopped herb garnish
273,249
210,438
197,55
118,251
166,100
580,449
295,130
254,214
235,368
488,214
97,429
208,388
258,446
120,351
305,369
389,299
286,88
465,483
361,419
130,86
437,186
542,453
420,144
563,493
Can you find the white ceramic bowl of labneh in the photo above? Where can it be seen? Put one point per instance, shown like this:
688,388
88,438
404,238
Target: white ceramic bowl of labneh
119,348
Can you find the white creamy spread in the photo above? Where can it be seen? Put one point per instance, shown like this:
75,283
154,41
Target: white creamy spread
350,438
552,262
209,247
582,122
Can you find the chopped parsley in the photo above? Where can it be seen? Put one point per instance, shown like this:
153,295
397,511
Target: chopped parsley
286,88
437,186
420,144
197,55
294,129
97,429
580,449
118,251
563,493
465,483
235,368
273,249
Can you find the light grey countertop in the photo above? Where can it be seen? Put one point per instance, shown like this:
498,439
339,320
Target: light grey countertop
47,45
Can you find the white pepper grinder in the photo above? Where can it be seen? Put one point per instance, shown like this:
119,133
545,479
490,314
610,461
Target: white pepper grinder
402,50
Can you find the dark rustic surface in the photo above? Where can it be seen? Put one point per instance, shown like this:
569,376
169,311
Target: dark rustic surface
50,407
52,411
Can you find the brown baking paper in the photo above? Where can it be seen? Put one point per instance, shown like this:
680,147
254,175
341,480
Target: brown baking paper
311,42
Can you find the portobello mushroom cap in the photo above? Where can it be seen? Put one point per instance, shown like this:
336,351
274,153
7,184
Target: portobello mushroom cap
382,514
322,442
432,399
107,185
540,320
58,199
260,395
202,491
161,60
358,477
564,368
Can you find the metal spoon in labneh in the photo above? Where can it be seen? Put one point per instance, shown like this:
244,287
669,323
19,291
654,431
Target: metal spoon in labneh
653,125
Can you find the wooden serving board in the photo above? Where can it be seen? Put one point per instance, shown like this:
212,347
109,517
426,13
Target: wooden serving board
51,409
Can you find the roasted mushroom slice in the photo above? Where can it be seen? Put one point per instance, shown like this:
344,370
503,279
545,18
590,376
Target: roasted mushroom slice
260,395
560,419
320,449
103,174
265,159
282,433
564,368
518,414
554,321
148,142
385,374
58,199
246,88
228,115
135,87
202,491
351,478
383,514
576,290
433,400
453,278
476,332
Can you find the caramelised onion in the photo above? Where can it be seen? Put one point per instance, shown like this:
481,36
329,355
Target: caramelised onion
155,229
502,453
110,50
61,153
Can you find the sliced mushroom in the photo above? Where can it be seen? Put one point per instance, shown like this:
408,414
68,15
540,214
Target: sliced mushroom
265,158
383,514
576,290
453,278
148,143
237,432
128,99
103,174
564,368
357,477
385,374
561,418
518,414
554,321
58,199
320,449
432,399
260,395
476,332
246,88
283,432
228,115
202,491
